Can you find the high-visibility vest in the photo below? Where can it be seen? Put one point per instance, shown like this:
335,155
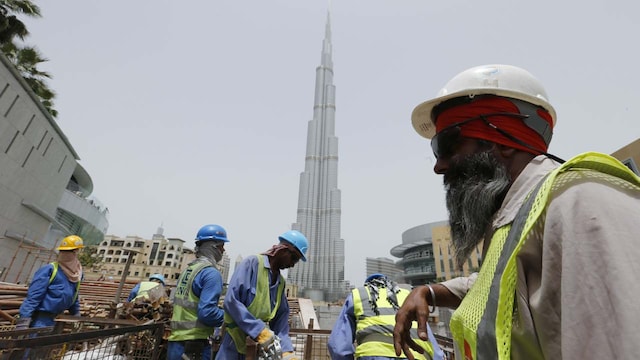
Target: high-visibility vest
374,332
260,307
184,321
53,276
481,326
145,287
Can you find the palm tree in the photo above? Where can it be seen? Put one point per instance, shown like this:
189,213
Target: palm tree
10,26
25,58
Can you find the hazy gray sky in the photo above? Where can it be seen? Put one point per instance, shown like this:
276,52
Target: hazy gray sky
187,113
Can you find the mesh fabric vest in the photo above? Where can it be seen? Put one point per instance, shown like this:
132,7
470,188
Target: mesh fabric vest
481,325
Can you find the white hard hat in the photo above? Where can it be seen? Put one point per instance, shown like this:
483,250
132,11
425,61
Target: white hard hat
502,80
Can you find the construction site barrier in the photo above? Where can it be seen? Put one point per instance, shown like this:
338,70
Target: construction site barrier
78,338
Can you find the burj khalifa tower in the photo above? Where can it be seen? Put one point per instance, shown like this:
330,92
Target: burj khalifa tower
322,276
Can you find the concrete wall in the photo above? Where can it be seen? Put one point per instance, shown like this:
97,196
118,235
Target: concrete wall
36,163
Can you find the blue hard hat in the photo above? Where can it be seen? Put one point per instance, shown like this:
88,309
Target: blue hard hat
295,238
375,276
212,232
157,277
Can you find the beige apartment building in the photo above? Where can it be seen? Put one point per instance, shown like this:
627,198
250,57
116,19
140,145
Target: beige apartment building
158,255
630,155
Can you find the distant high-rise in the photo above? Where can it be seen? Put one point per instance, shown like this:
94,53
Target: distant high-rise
384,266
322,276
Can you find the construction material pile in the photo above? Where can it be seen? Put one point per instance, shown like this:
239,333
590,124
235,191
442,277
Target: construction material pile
97,300
11,297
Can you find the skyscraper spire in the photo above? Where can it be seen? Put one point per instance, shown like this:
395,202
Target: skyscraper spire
327,29
319,199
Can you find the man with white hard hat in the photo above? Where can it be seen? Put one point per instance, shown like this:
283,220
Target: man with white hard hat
559,260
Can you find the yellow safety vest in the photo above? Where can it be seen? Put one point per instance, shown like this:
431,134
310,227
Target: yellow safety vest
374,332
184,320
481,326
143,290
260,307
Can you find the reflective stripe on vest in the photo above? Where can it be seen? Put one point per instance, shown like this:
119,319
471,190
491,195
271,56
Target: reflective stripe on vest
481,325
184,321
260,307
374,332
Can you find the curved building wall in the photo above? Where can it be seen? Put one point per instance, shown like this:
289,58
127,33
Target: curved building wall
416,253
427,255
37,163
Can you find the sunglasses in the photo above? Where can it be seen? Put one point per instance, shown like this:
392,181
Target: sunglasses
444,143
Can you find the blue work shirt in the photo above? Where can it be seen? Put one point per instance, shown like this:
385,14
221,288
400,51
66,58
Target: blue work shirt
240,293
134,292
207,285
343,335
52,298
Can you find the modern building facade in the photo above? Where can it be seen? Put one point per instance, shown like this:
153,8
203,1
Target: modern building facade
45,194
386,266
321,278
427,255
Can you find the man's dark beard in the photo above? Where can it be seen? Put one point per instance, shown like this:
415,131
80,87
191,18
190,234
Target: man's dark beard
476,186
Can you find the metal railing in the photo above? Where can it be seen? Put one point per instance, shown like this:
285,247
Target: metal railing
74,338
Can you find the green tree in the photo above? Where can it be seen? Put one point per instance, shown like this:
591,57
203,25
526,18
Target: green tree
89,258
25,58
10,25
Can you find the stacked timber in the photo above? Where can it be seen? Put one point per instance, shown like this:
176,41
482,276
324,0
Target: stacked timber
11,297
97,299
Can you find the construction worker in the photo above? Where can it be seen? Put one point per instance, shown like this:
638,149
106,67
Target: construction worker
195,305
256,304
367,319
142,290
559,269
54,288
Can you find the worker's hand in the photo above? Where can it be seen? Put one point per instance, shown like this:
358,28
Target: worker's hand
23,323
289,356
415,308
265,338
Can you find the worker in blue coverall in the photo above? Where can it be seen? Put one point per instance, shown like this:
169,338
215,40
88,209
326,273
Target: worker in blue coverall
256,304
364,328
54,288
142,288
195,305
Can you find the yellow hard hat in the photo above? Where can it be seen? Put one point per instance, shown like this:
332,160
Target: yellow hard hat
71,242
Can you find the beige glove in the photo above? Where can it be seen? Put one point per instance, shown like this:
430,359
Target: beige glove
289,356
265,338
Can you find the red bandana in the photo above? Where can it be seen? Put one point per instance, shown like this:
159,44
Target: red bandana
480,130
